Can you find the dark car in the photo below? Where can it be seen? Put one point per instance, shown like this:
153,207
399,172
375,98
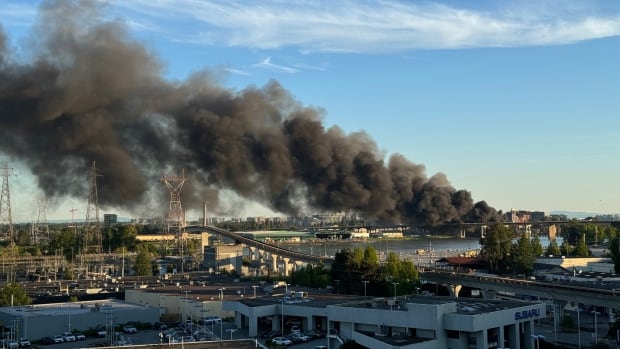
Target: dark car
160,326
315,334
47,340
270,334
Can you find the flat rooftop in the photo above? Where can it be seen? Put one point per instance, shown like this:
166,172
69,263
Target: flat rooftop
69,308
465,306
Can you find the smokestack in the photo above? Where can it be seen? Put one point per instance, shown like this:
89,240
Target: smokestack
91,93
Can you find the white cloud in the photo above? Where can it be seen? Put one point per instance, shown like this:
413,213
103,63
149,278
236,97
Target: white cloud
377,26
237,71
267,65
17,14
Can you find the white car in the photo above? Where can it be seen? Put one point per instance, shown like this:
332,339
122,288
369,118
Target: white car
58,339
130,329
299,337
24,342
281,341
211,320
69,337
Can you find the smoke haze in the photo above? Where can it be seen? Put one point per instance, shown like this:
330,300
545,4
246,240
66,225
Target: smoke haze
89,92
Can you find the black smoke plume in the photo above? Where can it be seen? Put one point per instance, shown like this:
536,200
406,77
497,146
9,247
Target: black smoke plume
88,92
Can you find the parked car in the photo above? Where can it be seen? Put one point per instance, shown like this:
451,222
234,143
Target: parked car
10,344
299,337
210,320
319,347
100,332
281,341
69,337
315,333
295,329
160,326
79,336
58,339
130,329
24,342
47,340
270,334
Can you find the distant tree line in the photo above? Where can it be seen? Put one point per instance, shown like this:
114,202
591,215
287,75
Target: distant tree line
355,271
507,253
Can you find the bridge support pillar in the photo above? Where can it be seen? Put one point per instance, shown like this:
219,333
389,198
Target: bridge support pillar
285,263
454,290
274,262
483,231
489,294
463,234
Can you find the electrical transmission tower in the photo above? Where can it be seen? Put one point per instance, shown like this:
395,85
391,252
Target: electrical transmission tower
175,221
6,219
40,227
92,239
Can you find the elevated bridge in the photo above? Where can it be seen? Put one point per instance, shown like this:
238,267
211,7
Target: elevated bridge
298,256
558,292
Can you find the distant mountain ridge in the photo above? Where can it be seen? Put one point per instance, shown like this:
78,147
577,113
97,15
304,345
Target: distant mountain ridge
580,215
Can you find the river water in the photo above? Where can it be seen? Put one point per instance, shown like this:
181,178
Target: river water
422,250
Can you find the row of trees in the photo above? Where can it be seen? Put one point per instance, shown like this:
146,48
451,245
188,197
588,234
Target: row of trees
506,253
358,271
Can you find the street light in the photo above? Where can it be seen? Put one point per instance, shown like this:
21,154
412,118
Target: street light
254,287
365,283
537,338
595,326
555,323
578,326
395,283
337,286
221,292
282,309
231,330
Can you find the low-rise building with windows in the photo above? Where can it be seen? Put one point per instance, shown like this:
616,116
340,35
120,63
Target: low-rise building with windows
420,322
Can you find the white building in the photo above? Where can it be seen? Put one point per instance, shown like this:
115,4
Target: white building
420,322
36,321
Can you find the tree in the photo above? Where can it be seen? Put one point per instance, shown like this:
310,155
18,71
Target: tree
143,265
13,295
614,251
537,247
496,247
582,249
523,255
553,249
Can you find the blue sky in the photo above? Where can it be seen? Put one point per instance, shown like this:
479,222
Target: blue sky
515,101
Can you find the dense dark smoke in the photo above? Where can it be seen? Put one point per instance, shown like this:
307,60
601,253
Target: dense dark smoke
88,92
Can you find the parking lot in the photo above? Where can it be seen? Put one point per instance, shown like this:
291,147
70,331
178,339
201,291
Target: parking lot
225,330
